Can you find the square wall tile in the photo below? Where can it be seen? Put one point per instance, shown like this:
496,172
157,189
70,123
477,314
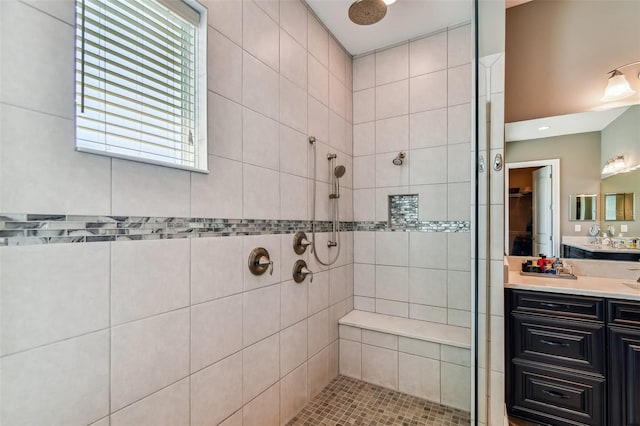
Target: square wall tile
318,40
392,99
364,139
459,124
394,308
168,407
459,85
459,202
260,34
337,96
52,292
293,347
293,19
419,376
318,332
260,140
367,304
318,126
260,87
264,410
293,60
364,205
148,355
459,48
318,292
337,284
210,341
318,372
428,286
432,201
261,193
224,63
351,359
458,251
148,278
37,50
383,340
428,166
217,267
428,54
318,78
293,393
261,313
216,391
419,347
224,181
337,60
63,383
392,283
456,389
293,105
392,64
364,106
293,197
364,250
392,248
364,72
225,128
158,191
392,134
260,367
41,171
364,280
428,250
428,313
226,17
294,299
293,144
459,167
380,366
390,175
428,128
428,92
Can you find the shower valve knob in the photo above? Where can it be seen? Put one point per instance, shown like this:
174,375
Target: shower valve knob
259,261
300,242
300,271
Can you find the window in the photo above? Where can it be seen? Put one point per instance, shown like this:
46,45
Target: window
141,81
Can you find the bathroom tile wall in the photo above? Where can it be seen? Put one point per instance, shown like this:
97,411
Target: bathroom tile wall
415,98
174,331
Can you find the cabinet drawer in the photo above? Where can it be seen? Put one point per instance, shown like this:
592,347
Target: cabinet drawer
624,312
565,343
589,308
554,397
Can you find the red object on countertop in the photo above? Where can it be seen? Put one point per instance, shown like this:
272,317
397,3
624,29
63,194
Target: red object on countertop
544,263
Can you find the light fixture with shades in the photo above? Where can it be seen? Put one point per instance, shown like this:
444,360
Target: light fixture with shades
613,165
618,87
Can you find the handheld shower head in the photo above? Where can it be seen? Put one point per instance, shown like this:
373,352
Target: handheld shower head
398,160
339,171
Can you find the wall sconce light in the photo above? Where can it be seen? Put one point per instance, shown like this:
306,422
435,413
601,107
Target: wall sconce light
618,87
614,165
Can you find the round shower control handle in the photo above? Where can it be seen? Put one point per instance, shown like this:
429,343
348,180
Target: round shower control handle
300,242
300,271
259,261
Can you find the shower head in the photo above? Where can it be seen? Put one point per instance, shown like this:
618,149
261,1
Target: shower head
339,171
398,160
367,12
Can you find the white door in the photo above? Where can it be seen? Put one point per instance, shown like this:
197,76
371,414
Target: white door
542,212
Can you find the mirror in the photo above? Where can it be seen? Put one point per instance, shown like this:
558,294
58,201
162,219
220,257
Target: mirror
583,207
619,207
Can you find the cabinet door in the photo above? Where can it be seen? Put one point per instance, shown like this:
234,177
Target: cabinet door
624,376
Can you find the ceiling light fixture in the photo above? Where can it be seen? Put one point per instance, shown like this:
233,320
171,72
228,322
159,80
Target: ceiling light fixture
367,12
389,2
543,128
618,87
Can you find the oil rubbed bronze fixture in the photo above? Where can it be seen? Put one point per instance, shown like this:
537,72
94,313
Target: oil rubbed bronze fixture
367,12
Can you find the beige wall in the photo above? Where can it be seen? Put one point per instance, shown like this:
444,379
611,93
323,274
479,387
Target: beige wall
557,54
579,156
622,137
623,182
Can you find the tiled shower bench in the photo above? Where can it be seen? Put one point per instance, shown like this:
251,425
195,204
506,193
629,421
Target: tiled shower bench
419,358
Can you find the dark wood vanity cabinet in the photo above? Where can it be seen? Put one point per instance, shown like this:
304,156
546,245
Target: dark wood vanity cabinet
572,360
624,362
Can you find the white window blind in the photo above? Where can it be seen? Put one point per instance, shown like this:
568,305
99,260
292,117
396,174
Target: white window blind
137,81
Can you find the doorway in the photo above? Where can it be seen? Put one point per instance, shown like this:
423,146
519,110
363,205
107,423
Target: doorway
532,195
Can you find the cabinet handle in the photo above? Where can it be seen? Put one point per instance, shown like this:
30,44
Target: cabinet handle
555,394
551,305
550,343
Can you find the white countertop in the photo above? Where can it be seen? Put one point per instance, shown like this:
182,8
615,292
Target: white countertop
583,244
583,286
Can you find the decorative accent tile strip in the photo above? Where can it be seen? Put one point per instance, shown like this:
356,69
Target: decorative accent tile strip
29,229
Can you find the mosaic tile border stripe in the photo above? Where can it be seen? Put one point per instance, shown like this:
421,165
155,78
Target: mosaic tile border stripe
29,229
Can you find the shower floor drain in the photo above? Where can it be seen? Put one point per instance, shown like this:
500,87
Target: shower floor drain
347,401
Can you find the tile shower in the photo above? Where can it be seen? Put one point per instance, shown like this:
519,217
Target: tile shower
125,293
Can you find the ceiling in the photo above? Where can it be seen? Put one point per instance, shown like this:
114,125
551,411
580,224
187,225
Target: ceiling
590,121
405,20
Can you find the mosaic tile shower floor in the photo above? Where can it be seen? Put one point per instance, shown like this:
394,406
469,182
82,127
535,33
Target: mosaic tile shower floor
347,401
